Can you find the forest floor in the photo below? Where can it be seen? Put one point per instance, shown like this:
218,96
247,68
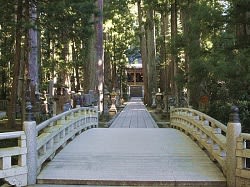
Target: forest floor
161,120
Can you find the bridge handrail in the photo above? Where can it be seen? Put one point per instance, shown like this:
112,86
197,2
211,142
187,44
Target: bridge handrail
208,132
14,173
60,116
11,135
39,143
242,154
203,117
224,144
57,131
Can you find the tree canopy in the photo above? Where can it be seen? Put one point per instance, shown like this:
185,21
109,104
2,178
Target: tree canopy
196,50
199,49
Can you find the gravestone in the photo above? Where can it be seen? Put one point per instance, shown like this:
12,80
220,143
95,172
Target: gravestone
87,100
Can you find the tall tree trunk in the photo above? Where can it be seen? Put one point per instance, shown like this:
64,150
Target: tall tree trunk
64,76
242,13
25,68
114,73
100,57
173,65
75,76
33,53
143,53
151,53
107,65
113,65
185,17
92,59
165,86
14,89
192,49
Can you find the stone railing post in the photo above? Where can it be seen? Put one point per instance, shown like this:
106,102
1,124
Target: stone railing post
29,127
233,132
31,135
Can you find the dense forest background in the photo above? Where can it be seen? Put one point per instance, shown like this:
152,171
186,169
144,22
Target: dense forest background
196,49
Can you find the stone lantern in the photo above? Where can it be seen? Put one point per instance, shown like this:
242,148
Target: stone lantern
153,99
158,101
106,102
165,112
113,109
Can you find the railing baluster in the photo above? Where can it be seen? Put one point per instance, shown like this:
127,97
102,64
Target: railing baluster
5,162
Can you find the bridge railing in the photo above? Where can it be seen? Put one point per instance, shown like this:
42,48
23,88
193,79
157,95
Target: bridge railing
224,144
208,132
39,143
57,131
243,159
13,167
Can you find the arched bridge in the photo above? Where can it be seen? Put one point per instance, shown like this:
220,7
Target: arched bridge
69,149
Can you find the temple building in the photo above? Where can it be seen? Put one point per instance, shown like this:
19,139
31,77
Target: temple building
135,78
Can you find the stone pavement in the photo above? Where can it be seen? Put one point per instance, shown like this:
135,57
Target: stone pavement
134,115
132,156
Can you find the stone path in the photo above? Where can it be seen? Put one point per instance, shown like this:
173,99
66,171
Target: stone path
134,115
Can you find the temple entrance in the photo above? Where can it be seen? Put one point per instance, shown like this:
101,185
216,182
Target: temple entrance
136,91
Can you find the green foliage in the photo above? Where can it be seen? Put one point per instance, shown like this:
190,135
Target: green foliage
119,28
220,111
63,24
212,52
60,23
218,64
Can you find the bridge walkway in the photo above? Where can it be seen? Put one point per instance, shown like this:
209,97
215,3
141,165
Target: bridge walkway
134,115
132,156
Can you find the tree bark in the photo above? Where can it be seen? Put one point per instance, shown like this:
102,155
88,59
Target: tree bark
185,16
17,59
151,53
242,25
192,49
173,64
100,57
143,53
92,61
107,65
33,52
165,83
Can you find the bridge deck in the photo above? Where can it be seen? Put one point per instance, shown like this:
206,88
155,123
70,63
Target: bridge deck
132,156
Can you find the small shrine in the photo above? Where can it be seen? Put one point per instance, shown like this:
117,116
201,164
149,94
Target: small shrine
134,73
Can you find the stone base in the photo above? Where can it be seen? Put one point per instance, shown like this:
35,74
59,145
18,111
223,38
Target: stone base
153,106
158,111
165,115
112,112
